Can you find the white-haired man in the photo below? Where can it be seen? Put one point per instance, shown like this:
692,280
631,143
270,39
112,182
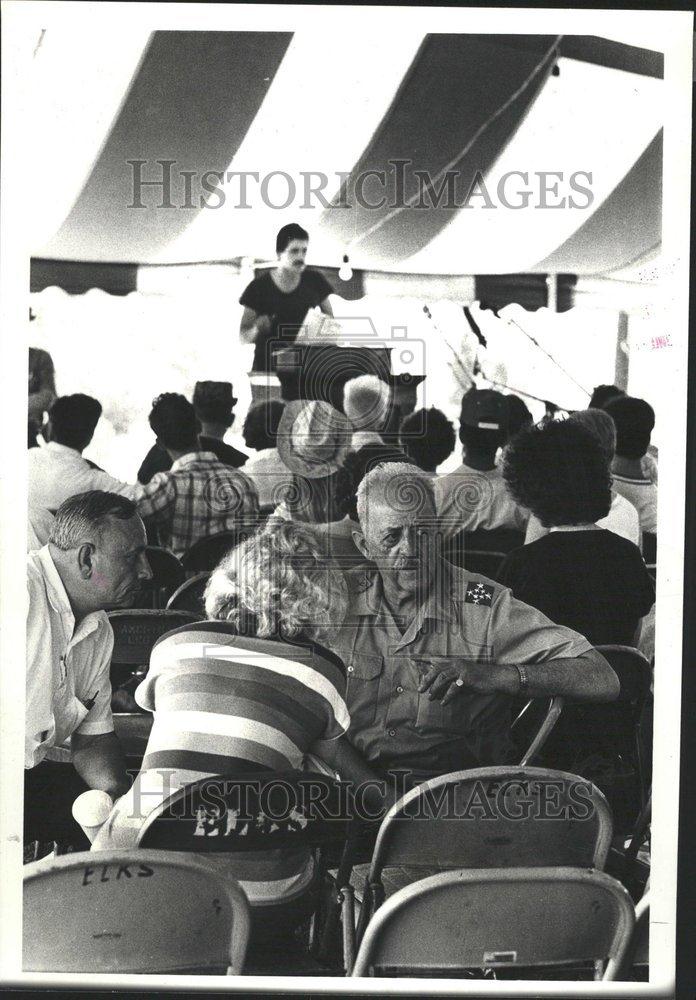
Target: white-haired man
94,561
366,402
434,654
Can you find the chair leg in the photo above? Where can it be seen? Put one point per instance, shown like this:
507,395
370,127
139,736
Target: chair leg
348,918
342,879
373,898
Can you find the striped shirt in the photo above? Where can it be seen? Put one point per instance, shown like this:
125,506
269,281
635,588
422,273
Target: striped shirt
228,705
199,496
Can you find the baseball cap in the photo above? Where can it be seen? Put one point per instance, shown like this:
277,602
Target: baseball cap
484,408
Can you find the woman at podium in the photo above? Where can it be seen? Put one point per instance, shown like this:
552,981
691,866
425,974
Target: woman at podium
277,302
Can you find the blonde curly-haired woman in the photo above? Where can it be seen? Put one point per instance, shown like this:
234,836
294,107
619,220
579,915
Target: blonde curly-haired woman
248,691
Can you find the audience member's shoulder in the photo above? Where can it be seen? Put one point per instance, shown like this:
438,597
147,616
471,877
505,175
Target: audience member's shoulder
617,543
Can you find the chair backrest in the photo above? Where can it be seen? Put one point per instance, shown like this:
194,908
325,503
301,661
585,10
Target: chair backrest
133,912
262,811
137,631
482,551
633,670
167,575
611,727
206,553
189,596
518,919
502,816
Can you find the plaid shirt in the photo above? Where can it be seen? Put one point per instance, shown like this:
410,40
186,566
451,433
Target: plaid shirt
199,496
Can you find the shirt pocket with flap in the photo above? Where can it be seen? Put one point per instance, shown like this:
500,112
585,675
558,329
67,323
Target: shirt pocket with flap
363,672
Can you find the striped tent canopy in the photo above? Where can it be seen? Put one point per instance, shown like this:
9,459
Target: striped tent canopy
436,156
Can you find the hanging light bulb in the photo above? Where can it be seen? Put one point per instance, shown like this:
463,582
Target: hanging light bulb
345,271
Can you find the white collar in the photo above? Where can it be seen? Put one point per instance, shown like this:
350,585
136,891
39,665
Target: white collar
575,527
58,597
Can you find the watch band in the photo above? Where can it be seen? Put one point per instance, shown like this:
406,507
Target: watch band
524,680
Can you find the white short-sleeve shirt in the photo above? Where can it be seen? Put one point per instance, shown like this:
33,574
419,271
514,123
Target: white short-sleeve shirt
67,665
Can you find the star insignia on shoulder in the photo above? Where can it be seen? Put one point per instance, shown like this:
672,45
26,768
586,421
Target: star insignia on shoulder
479,593
359,580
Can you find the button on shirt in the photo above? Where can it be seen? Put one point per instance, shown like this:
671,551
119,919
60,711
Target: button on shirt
464,617
199,496
57,472
67,665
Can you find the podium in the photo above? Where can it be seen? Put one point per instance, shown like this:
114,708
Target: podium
320,370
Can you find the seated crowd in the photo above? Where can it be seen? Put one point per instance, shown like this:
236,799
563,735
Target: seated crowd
339,633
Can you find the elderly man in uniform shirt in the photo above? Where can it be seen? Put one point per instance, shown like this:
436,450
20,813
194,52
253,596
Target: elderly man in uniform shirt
94,561
434,654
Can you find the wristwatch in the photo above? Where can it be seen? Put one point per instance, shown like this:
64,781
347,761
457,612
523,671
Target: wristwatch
524,680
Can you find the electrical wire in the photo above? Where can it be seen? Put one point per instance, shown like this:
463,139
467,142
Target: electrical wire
551,55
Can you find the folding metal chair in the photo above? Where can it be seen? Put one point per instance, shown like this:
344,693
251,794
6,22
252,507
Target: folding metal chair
606,738
135,633
206,553
256,812
189,596
167,575
625,861
513,921
133,912
636,961
503,816
528,726
482,551
262,811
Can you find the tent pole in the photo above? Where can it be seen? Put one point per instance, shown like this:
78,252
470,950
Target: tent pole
622,360
552,292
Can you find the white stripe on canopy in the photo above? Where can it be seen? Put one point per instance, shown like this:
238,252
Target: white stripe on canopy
77,82
320,112
564,131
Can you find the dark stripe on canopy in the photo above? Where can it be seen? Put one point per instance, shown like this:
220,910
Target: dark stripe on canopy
495,291
192,101
78,276
623,229
455,84
595,50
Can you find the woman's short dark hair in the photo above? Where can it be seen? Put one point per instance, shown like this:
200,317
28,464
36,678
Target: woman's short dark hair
174,421
74,419
428,437
289,233
601,394
261,424
634,420
559,472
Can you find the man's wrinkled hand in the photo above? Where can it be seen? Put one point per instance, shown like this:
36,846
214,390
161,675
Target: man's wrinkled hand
444,678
